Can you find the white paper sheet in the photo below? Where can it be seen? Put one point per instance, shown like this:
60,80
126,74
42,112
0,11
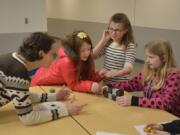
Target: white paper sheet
140,129
106,133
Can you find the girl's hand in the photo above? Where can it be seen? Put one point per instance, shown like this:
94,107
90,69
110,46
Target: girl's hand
124,100
158,132
96,88
106,36
63,93
112,73
105,87
102,72
75,109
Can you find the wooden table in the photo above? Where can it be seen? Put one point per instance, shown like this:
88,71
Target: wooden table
11,125
102,114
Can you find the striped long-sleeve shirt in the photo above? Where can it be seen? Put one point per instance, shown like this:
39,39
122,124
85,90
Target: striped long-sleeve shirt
14,86
117,57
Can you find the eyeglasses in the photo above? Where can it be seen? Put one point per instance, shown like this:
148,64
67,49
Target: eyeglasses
115,30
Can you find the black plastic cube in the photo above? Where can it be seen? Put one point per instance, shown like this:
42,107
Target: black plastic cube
110,87
120,93
105,93
114,97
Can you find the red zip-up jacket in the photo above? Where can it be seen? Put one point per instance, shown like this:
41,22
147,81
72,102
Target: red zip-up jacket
63,71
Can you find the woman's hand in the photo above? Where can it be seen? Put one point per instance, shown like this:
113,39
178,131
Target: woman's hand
75,109
158,132
63,93
155,126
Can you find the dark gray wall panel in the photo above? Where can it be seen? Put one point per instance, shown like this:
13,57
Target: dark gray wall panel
11,42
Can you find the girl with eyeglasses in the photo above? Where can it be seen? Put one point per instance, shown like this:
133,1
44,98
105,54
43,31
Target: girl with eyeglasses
118,47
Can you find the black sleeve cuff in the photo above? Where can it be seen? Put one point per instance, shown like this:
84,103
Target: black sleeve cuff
172,127
134,101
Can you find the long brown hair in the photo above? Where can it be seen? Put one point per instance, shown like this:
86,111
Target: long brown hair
72,44
162,49
124,20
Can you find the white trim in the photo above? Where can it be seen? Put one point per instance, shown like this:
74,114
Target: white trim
14,54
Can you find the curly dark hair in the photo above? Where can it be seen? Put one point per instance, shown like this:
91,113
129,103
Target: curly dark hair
33,44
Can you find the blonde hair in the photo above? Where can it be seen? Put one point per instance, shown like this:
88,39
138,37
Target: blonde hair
162,49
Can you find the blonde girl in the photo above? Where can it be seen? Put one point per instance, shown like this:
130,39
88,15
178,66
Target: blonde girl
160,80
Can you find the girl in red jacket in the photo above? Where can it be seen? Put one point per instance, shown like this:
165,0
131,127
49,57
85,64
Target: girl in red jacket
74,67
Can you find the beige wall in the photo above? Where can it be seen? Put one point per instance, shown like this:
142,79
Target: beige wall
62,27
162,14
14,12
89,10
151,19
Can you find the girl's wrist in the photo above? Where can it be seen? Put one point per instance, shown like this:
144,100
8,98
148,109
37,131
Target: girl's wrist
120,73
103,42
